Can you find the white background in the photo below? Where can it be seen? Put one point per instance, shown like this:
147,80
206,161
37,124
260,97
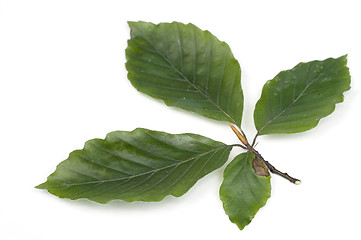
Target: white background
63,81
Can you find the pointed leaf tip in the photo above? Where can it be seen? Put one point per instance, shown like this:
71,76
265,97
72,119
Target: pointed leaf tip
40,186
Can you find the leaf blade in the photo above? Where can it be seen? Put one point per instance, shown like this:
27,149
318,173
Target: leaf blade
296,99
186,68
243,192
141,165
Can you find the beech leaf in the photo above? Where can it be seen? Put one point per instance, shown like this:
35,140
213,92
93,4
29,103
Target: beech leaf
243,192
141,165
295,100
187,68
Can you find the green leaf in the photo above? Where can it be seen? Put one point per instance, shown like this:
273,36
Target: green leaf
295,100
141,165
243,192
187,68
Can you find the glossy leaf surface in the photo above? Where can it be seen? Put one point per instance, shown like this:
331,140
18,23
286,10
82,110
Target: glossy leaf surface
187,68
141,165
243,192
295,100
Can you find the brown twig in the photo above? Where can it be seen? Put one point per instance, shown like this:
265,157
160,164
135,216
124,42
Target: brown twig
272,169
275,170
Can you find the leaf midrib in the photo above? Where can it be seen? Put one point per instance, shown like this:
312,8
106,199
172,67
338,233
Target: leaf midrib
187,80
145,173
292,103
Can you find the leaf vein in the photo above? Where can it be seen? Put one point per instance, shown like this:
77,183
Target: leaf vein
292,103
193,85
143,173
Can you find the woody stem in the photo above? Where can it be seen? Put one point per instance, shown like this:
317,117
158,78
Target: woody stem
250,148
